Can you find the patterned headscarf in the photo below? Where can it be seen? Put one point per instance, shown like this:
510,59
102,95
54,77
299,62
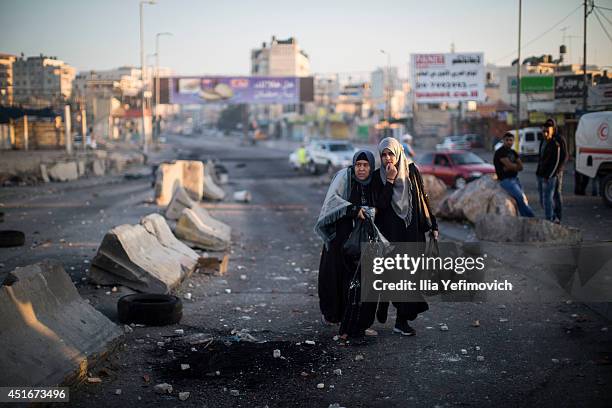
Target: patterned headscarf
401,202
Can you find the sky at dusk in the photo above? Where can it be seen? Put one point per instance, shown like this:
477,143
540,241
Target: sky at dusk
213,37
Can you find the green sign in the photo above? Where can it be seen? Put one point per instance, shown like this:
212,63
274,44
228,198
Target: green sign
532,84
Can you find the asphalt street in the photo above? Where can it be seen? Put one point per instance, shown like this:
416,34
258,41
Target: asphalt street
533,354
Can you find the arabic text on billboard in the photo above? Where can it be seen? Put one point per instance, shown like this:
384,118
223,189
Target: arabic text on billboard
451,77
235,90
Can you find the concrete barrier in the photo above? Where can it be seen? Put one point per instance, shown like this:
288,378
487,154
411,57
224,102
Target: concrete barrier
198,229
49,335
211,190
131,256
181,173
63,171
156,224
180,201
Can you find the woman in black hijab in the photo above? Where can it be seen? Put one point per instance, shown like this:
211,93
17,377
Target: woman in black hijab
348,198
402,215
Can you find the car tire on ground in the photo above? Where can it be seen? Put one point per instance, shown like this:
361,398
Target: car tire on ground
150,309
11,239
606,190
460,182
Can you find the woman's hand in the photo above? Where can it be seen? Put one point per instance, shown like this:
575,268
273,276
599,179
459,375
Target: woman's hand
361,214
391,172
436,234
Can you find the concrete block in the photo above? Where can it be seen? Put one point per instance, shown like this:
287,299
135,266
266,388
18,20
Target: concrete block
81,166
193,178
180,201
169,177
98,167
131,256
63,171
198,229
44,174
156,224
211,190
49,335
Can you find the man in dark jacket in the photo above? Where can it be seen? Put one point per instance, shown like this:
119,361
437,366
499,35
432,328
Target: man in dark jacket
551,163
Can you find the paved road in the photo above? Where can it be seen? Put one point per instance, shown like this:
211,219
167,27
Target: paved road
550,354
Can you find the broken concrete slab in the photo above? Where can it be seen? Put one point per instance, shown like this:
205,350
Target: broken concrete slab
504,228
211,190
131,256
156,224
198,229
49,335
188,174
44,174
82,167
214,263
180,201
63,171
435,189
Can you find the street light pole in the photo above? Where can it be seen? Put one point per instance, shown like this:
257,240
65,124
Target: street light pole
145,146
387,81
157,76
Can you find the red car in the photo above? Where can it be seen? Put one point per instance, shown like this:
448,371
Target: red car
454,167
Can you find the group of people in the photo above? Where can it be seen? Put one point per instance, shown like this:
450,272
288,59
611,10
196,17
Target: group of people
552,157
394,198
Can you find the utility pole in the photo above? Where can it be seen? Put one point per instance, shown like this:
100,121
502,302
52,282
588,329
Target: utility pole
387,80
518,77
157,78
145,146
585,88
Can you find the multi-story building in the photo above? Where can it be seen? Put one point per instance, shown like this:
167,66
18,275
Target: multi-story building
280,58
6,79
42,81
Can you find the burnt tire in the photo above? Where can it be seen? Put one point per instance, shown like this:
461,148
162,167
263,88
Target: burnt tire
605,189
150,309
11,239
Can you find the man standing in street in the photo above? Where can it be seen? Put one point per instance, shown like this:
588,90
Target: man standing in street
507,165
551,162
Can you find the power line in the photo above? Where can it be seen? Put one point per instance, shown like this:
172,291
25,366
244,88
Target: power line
603,8
602,26
601,13
540,36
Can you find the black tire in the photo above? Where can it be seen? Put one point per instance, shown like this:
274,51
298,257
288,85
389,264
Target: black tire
11,239
605,189
150,309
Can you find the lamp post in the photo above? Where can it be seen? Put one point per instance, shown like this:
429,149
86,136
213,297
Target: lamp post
157,78
387,80
518,77
145,146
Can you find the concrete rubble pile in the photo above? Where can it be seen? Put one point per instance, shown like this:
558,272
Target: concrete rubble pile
49,335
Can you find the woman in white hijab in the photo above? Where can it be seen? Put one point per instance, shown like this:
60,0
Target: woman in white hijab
402,215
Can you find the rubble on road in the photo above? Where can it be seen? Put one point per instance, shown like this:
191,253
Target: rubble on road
198,229
500,228
163,388
482,196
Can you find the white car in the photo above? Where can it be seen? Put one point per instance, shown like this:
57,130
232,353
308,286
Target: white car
454,143
327,155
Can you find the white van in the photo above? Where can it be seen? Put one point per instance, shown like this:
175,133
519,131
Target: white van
528,143
594,150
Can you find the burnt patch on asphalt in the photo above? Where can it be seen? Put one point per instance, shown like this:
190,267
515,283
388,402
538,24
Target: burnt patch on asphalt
247,364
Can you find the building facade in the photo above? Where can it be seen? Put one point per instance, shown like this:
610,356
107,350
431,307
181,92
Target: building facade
42,81
6,79
280,58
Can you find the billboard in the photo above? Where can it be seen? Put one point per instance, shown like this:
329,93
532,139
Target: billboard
450,77
238,90
570,86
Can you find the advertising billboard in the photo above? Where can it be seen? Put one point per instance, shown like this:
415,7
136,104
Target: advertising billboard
450,77
236,90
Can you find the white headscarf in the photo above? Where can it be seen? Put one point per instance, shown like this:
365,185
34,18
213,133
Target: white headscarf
401,202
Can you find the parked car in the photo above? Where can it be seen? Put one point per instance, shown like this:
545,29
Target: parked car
476,141
454,143
594,152
454,167
326,156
